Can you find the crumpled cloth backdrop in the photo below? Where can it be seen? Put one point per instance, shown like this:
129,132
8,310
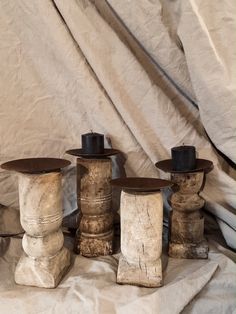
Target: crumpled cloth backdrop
65,71
150,75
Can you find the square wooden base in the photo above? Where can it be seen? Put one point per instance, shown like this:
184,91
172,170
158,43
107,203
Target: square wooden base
42,272
189,250
148,275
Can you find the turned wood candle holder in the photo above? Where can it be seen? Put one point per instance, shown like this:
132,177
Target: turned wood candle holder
141,211
94,236
45,259
186,236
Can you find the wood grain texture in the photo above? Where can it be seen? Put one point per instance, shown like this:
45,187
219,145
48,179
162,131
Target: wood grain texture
95,234
186,220
141,239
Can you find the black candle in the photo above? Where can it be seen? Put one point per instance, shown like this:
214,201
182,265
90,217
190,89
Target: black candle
183,158
93,143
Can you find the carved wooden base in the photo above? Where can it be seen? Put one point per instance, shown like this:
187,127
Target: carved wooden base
147,275
189,250
187,228
42,272
95,246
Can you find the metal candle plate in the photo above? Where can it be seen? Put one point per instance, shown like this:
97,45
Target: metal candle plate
201,165
80,153
141,184
35,165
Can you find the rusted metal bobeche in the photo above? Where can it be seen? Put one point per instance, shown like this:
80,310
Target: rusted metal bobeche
95,233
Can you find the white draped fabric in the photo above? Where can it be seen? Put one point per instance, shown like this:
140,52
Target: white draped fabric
190,286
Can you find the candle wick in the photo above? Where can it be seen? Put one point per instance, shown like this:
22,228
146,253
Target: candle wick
91,130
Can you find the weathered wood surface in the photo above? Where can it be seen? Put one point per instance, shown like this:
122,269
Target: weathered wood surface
141,239
95,234
186,220
45,259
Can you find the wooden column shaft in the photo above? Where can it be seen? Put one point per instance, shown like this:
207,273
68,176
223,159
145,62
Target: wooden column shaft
45,259
95,234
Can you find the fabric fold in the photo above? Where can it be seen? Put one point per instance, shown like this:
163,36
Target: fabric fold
90,287
152,117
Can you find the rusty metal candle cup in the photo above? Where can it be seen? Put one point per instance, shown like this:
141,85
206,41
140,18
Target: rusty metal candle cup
45,259
186,220
141,211
94,236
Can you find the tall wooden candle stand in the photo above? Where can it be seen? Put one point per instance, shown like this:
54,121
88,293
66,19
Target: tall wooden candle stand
141,211
94,236
45,259
186,219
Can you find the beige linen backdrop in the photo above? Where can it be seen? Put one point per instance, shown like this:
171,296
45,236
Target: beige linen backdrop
65,71
150,75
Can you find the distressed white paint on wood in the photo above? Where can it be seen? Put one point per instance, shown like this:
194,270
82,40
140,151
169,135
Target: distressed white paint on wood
45,259
95,234
141,239
40,197
42,272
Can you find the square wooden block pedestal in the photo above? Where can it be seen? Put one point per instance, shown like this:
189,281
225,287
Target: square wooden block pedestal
141,211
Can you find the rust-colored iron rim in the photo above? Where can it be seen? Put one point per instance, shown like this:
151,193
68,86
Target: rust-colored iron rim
141,184
79,153
36,165
201,165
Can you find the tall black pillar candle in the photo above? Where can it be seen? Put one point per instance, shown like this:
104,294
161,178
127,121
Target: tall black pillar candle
93,143
183,158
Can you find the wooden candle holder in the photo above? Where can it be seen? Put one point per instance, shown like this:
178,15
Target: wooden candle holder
186,220
141,211
94,236
45,259
186,224
95,233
